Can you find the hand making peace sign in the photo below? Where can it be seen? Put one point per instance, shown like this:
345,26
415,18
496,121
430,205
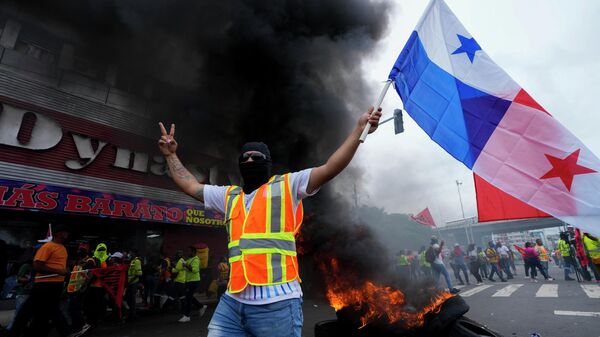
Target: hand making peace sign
167,143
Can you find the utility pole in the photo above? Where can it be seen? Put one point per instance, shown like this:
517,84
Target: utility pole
469,239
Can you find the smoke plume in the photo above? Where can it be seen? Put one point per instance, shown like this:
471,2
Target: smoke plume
284,72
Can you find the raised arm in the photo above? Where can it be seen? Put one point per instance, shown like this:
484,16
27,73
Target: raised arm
182,177
343,155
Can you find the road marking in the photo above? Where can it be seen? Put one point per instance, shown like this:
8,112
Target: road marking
547,290
577,313
474,291
459,286
507,291
591,290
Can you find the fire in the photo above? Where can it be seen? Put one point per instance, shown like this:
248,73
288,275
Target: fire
376,301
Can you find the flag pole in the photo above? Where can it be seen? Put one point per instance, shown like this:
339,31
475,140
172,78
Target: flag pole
365,131
53,275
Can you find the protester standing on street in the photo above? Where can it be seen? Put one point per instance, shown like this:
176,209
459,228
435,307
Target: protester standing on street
459,260
592,247
565,252
76,287
262,257
134,273
494,259
402,264
50,265
543,253
532,261
192,282
483,263
504,253
474,265
434,256
178,274
425,266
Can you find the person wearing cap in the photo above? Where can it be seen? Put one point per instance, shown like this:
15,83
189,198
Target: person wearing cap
263,215
115,259
50,265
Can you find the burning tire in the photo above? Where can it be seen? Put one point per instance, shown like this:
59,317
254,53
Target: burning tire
448,322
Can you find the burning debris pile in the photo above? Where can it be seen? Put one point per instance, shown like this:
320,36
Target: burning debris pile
360,283
377,302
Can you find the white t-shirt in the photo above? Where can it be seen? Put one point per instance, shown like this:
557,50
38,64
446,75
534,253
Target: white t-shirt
214,199
503,251
438,257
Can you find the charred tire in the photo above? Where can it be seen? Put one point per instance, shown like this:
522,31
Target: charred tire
465,327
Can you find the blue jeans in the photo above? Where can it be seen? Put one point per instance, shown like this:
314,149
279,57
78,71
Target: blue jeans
438,269
235,319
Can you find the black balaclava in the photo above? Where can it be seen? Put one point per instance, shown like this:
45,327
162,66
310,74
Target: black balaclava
257,172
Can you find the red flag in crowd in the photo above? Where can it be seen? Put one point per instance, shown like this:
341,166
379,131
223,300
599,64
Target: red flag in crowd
579,248
113,280
424,218
521,250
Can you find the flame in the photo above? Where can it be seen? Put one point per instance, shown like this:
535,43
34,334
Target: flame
376,301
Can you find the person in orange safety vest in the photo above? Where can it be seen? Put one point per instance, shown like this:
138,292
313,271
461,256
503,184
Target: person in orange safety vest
262,217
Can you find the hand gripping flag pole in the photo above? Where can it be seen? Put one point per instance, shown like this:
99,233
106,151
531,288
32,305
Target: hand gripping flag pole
365,132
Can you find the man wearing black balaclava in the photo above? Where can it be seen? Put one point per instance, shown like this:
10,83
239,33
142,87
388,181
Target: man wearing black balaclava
264,295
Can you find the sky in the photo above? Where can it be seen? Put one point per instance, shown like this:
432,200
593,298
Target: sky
549,47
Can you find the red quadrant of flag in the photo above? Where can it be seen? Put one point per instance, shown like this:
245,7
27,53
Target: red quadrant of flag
493,204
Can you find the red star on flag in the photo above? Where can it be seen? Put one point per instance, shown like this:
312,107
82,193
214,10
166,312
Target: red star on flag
566,168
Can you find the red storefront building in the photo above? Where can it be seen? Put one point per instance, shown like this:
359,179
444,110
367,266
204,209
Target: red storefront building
79,148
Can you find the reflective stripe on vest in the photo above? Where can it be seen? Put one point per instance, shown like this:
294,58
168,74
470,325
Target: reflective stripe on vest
262,246
76,280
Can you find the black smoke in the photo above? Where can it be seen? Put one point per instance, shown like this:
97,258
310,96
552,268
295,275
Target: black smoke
284,72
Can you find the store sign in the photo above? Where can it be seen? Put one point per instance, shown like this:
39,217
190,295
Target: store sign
45,134
20,195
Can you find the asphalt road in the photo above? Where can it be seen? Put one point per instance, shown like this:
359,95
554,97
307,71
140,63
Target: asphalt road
523,307
517,308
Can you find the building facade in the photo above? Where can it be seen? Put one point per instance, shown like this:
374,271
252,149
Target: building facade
78,147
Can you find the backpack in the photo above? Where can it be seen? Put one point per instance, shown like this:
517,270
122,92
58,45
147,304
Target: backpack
430,255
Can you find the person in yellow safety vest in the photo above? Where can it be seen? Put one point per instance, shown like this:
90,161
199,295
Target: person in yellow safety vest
565,252
425,266
94,306
262,218
402,264
76,287
494,259
592,247
192,282
483,263
178,274
133,281
543,254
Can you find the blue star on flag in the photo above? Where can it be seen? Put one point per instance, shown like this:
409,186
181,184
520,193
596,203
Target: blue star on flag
468,46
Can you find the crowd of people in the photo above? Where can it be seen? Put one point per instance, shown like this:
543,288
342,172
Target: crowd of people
497,261
55,290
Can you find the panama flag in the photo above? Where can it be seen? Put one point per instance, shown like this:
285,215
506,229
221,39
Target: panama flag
483,118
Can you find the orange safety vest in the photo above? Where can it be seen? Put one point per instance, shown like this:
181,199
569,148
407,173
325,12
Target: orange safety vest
76,280
262,245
